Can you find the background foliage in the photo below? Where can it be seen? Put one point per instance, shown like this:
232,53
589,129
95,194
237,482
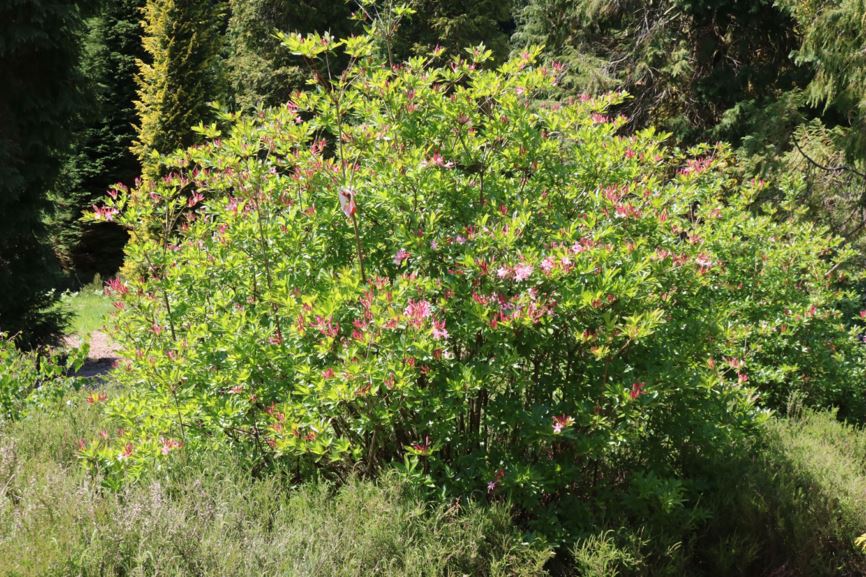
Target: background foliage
40,99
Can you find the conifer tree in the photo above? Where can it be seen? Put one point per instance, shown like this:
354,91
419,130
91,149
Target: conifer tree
181,75
456,25
685,62
101,155
39,51
259,68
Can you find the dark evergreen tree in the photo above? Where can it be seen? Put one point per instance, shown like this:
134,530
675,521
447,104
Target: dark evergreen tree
102,153
260,69
685,62
39,51
456,25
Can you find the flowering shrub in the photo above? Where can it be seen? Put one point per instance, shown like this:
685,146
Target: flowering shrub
435,265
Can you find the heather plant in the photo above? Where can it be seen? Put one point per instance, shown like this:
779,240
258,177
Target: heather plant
436,265
209,517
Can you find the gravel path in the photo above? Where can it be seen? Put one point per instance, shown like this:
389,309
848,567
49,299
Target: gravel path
102,355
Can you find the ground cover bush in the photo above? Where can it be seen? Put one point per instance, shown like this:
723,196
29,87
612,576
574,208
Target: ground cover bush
433,265
796,511
29,380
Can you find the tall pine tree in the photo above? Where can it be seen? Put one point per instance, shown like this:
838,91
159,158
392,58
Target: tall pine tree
39,52
102,153
180,76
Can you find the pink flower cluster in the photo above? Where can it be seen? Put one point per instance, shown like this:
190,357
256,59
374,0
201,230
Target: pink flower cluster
561,422
168,445
696,165
105,213
326,326
519,272
401,256
417,312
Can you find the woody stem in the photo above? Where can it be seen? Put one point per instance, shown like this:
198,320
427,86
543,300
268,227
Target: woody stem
358,246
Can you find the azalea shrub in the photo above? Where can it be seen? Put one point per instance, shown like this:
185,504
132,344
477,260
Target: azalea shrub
437,265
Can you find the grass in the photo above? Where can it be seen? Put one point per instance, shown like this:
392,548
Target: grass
88,308
210,518
791,506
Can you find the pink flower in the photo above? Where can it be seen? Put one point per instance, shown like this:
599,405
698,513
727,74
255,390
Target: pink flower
522,272
417,311
704,262
401,256
503,272
696,165
561,422
328,373
547,265
347,201
491,486
126,453
437,160
104,212
194,199
439,331
742,378
637,390
115,285
169,444
326,326
423,447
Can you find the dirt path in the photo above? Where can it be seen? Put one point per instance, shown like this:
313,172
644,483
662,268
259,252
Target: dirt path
102,355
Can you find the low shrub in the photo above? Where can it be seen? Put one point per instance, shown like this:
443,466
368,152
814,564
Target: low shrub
30,380
434,265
